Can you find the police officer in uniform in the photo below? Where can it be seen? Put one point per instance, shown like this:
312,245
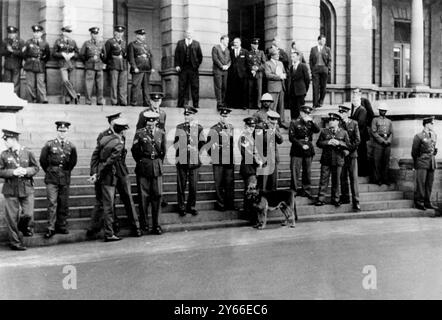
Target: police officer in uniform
11,49
221,152
256,60
334,143
302,151
58,158
156,98
382,135
424,152
18,167
149,150
140,59
36,54
116,54
350,168
92,54
66,52
188,142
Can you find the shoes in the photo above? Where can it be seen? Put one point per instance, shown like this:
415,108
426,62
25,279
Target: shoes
145,228
90,234
344,201
164,204
27,232
49,234
137,233
319,203
67,102
337,204
182,212
193,212
419,206
430,206
157,231
112,239
219,207
17,247
62,231
357,207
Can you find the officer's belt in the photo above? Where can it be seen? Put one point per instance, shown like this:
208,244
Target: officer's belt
60,166
384,135
151,157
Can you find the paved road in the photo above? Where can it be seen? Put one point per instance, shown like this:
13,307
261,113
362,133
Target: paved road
314,261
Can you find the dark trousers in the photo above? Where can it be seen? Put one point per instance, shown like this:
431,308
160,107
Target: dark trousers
188,77
269,182
14,77
118,85
12,215
94,77
424,185
185,174
151,192
140,84
363,164
350,170
255,91
108,197
295,106
68,89
220,86
124,190
36,87
335,172
97,218
319,79
249,213
381,159
224,186
58,208
237,92
296,164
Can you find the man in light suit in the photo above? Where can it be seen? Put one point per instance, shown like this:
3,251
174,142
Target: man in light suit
299,84
276,75
320,65
238,77
221,64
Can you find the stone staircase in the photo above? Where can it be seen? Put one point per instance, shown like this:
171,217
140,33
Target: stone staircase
37,124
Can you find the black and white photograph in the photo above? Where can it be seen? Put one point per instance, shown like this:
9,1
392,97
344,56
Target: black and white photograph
241,152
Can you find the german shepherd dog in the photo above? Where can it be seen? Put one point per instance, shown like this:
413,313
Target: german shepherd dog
260,203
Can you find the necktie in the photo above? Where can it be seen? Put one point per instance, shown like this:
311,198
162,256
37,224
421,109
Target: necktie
62,144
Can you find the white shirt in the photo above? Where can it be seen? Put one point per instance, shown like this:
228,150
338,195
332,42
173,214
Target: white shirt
188,42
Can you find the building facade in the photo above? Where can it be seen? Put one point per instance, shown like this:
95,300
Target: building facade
390,48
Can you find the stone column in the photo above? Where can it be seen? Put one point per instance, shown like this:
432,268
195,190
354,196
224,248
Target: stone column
417,43
208,21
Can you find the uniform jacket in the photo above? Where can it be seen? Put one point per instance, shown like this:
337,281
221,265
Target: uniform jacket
9,161
424,150
196,55
95,155
274,82
360,116
187,136
256,59
300,134
249,155
116,54
239,64
36,55
149,152
13,60
326,56
268,148
67,45
161,122
58,162
139,56
261,116
92,53
354,137
382,131
299,80
333,156
222,151
220,58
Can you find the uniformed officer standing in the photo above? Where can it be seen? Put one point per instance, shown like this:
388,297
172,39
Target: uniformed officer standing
334,143
221,152
140,59
382,135
156,99
92,54
11,49
36,54
266,103
149,151
188,142
58,158
268,149
350,168
256,60
106,165
66,52
116,54
18,167
424,152
302,151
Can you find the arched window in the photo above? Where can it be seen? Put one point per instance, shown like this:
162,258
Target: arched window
328,28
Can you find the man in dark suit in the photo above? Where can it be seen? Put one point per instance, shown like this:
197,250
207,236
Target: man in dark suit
320,65
299,84
188,58
237,83
221,64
